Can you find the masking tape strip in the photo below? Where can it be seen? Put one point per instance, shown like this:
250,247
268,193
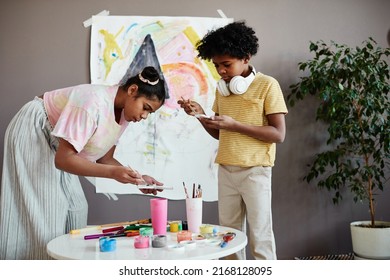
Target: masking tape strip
88,22
222,14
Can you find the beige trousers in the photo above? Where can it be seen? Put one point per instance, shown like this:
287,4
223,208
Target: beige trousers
244,195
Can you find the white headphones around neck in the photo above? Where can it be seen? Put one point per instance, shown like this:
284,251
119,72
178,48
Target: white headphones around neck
237,85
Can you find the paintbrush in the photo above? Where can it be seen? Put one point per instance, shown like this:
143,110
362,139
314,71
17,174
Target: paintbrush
131,169
185,190
143,221
189,105
99,227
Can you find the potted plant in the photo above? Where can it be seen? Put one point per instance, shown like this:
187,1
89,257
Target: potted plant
352,85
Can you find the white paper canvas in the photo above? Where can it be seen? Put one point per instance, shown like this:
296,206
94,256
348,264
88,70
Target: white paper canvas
170,146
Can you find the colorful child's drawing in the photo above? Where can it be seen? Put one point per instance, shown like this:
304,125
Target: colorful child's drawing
170,145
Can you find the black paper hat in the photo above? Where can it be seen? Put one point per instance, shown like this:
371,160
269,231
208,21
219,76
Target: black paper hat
145,56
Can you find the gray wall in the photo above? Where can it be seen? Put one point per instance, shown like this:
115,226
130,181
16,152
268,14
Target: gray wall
44,46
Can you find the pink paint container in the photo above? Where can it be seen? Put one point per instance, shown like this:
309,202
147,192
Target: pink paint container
141,242
159,214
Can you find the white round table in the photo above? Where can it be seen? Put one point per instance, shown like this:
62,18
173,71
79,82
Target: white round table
73,246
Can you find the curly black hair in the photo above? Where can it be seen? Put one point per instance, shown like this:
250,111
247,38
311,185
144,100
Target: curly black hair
235,39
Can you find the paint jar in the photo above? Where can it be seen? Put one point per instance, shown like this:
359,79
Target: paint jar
206,230
147,231
141,242
107,244
184,235
175,226
159,241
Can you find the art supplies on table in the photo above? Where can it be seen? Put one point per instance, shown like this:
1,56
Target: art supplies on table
226,238
159,241
196,192
159,214
141,242
100,227
107,244
184,235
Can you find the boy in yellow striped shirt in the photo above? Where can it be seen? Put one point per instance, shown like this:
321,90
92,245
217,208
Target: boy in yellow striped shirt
249,120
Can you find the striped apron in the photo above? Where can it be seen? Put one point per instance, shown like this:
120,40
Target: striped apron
38,202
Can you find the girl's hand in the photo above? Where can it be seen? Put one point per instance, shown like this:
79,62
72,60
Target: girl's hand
127,175
151,181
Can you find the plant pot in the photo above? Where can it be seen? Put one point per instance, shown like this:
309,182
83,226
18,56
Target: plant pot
371,243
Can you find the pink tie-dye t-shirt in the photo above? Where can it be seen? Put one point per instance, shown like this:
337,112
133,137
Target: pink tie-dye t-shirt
84,116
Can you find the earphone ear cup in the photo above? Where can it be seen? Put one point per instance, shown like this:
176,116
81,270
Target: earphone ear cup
222,88
238,85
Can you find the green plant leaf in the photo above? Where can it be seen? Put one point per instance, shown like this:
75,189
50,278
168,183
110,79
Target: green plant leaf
352,85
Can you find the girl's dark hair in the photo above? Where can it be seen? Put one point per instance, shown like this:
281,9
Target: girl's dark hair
150,84
235,39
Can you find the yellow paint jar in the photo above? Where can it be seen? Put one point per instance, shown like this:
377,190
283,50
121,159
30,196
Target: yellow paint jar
174,227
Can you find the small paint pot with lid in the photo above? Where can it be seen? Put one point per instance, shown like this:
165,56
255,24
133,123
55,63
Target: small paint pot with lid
184,235
141,242
159,241
107,244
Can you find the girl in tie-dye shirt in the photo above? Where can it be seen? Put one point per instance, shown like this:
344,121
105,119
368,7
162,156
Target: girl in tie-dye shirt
53,139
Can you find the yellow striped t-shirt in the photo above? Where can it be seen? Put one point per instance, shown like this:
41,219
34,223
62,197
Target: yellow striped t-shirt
263,97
